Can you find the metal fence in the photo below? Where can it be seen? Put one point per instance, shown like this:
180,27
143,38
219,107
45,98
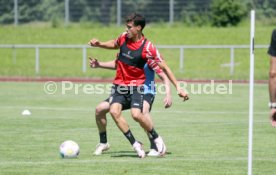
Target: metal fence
113,11
104,11
182,49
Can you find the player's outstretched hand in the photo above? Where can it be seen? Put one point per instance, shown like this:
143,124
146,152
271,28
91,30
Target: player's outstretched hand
272,117
94,42
93,62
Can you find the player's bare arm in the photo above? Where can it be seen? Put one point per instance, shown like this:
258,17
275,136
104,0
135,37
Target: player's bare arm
170,75
94,63
106,45
168,98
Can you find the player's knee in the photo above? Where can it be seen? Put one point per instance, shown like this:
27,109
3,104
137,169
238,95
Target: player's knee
98,110
136,115
272,74
101,110
115,113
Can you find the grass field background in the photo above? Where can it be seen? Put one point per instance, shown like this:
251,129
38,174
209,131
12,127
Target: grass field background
198,63
207,135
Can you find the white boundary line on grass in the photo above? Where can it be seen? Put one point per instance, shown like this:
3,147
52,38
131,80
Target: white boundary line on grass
116,160
154,111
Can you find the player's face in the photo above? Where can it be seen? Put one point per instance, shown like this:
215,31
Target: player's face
132,30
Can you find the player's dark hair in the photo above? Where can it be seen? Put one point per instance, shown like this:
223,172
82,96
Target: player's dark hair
137,19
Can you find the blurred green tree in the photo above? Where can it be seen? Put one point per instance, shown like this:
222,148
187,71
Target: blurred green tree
227,12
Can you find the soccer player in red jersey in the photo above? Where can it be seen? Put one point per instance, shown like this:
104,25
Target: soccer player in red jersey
272,78
149,94
135,50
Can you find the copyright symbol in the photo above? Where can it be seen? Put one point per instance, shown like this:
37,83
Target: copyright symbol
50,87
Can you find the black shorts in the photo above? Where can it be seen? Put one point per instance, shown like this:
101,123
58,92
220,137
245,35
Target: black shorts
150,99
128,97
147,97
125,107
272,48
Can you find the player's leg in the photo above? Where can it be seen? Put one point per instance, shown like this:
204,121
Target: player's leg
272,89
145,122
147,105
117,103
272,78
116,113
100,115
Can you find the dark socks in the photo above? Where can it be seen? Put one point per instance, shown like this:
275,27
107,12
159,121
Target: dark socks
153,134
152,144
130,137
103,138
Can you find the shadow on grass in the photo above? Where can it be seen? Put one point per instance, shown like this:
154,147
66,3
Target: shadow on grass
125,153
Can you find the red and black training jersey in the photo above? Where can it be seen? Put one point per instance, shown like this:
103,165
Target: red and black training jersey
131,60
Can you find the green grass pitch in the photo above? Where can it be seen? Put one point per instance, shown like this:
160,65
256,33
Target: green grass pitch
207,135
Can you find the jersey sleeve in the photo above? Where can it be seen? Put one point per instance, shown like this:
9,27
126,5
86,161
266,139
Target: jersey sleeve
154,66
152,52
272,47
121,39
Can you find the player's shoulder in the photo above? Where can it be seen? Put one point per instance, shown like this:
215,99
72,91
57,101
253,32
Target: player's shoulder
149,45
121,39
122,36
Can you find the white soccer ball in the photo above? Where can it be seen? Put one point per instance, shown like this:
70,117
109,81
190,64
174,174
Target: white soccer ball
69,149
